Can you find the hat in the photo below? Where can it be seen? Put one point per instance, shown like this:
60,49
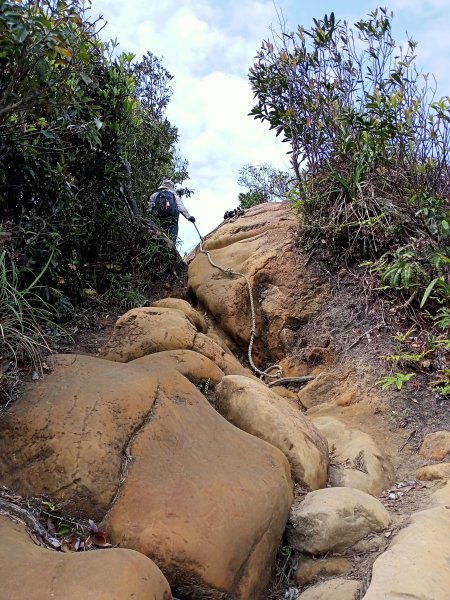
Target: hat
167,184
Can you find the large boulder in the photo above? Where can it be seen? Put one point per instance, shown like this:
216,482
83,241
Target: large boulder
35,573
66,436
357,460
333,519
194,366
261,245
147,330
193,315
253,407
417,563
206,501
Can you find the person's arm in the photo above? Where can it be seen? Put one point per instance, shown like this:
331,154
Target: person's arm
151,202
182,209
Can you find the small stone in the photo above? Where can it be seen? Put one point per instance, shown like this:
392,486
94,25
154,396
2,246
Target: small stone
334,519
431,472
436,446
309,570
334,589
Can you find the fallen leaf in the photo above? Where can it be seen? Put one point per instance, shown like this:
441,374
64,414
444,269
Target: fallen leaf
101,540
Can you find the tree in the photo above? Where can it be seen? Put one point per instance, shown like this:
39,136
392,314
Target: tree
83,141
264,183
370,146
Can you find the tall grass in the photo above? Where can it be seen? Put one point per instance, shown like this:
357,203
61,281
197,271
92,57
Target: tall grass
24,317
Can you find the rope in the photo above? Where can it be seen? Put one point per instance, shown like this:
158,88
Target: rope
227,271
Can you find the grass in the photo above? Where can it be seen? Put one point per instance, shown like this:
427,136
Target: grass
25,319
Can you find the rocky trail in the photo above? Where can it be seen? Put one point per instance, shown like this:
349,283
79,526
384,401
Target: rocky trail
207,483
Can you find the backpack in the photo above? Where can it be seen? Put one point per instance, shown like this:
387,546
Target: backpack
165,205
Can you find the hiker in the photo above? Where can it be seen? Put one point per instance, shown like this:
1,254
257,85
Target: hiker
165,204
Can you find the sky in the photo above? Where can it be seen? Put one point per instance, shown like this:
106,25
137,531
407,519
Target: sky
208,47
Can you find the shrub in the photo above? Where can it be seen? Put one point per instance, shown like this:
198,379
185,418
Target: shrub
369,146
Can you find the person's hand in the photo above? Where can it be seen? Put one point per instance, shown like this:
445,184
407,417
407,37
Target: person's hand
192,219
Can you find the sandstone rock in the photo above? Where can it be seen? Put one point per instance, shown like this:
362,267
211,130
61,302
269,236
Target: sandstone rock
192,365
309,570
253,407
436,446
321,389
430,472
372,543
143,331
357,460
260,244
32,572
227,362
335,589
206,501
334,519
74,425
442,496
193,315
417,563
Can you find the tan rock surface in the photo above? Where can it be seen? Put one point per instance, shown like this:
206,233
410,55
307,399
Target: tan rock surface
357,460
193,315
335,589
436,446
192,365
143,331
334,519
227,362
260,244
74,425
206,501
321,389
309,570
253,407
417,563
30,572
431,472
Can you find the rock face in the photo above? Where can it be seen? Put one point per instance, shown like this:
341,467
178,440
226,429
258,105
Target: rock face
31,572
192,365
75,425
417,564
206,501
260,244
357,460
253,407
334,519
193,315
144,331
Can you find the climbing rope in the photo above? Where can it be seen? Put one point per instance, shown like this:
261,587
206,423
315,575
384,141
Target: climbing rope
227,271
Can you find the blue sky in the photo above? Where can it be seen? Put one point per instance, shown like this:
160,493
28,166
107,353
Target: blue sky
208,46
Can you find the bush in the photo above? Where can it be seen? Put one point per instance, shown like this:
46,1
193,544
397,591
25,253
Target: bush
370,147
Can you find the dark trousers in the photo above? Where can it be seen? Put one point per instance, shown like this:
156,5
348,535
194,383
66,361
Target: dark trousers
170,227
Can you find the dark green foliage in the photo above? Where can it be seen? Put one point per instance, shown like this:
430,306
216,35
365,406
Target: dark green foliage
370,147
251,198
83,142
